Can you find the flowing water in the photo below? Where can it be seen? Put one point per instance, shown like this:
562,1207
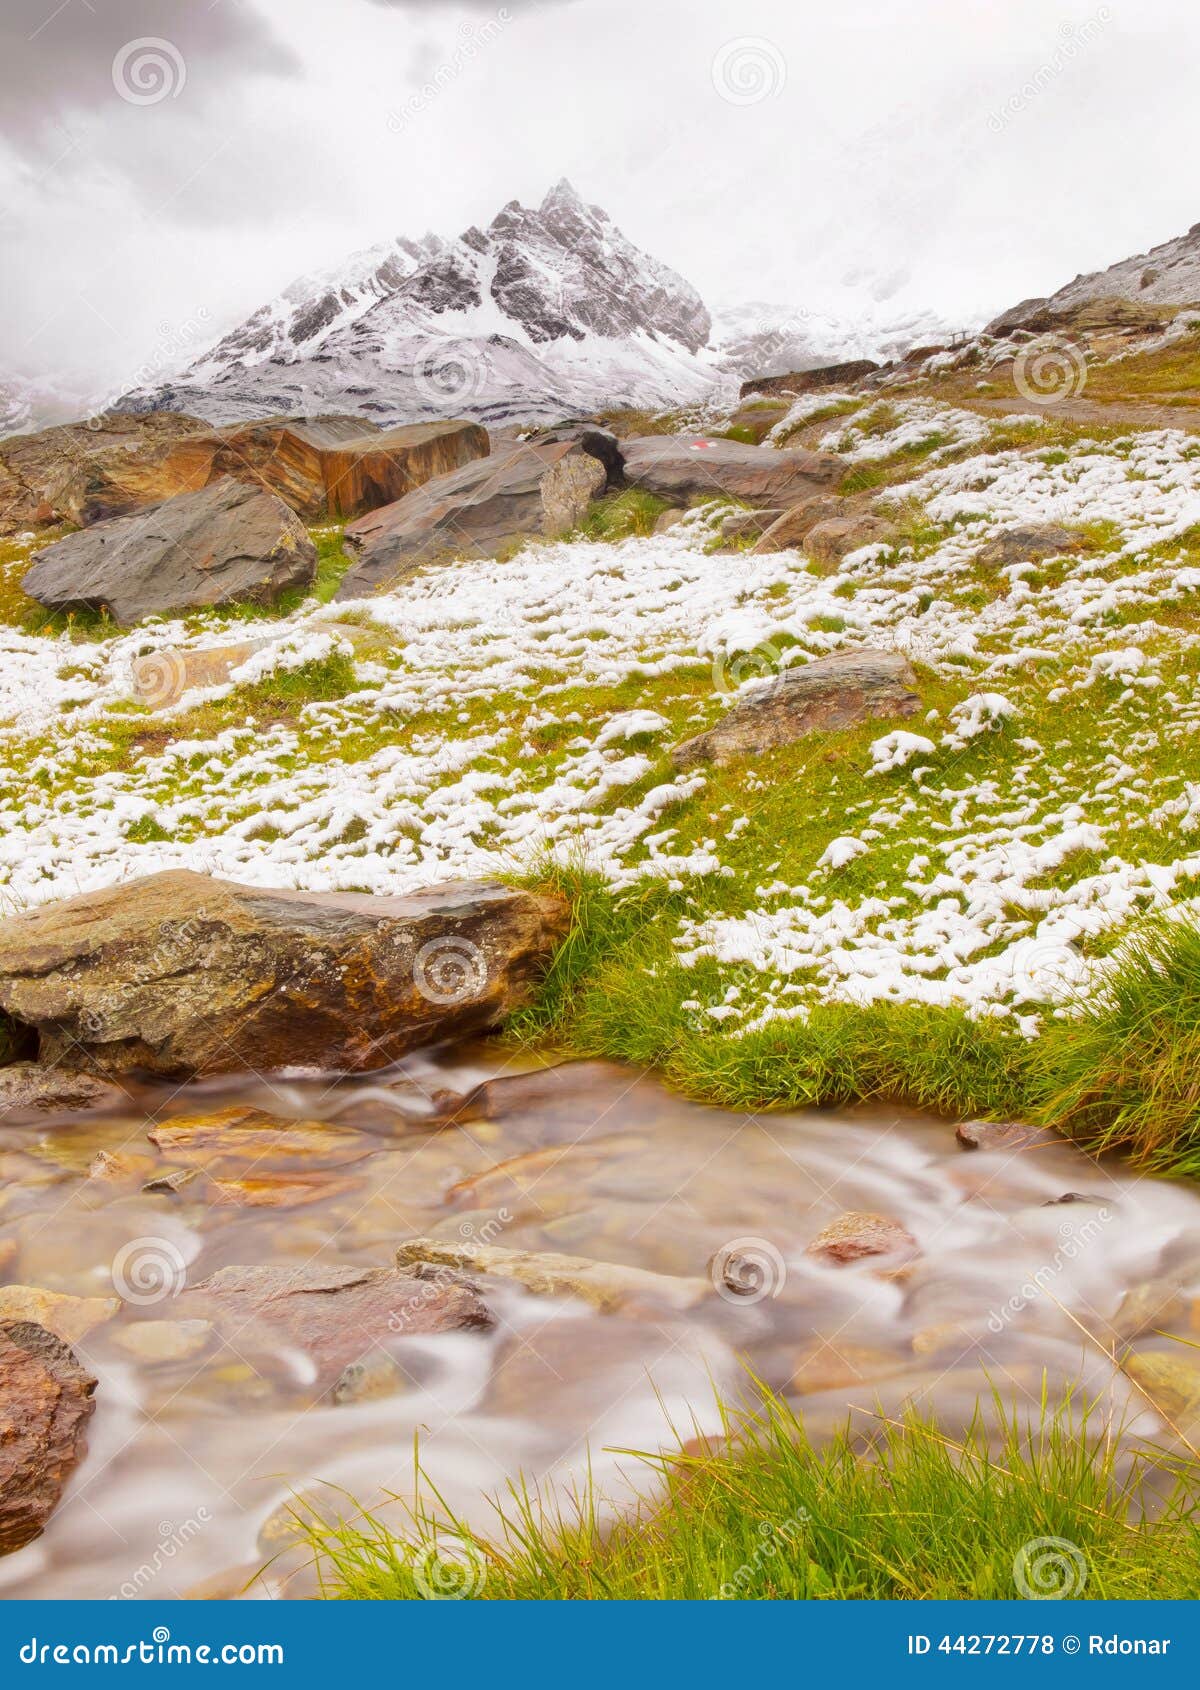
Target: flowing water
192,1462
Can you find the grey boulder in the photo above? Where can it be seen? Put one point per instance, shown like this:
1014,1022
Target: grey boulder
681,467
227,543
532,488
826,695
1028,543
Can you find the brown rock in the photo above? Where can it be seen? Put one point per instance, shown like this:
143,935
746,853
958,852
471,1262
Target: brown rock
373,1375
278,1191
226,544
558,1084
691,466
823,696
68,1318
337,467
322,467
1028,544
179,974
231,1142
1148,1308
791,528
828,542
855,1235
666,520
119,1167
606,1285
174,1180
30,1087
164,1340
333,1314
160,678
741,525
1003,1135
110,466
479,511
45,1405
1170,1380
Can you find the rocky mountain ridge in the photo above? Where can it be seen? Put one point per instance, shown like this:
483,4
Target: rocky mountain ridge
548,308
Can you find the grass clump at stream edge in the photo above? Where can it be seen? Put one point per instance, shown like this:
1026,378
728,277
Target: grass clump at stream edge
913,1515
1119,1071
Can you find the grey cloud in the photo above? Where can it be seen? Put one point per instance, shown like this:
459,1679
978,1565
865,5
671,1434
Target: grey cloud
58,59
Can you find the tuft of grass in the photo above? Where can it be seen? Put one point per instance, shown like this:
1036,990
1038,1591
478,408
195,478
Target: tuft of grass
622,515
899,1511
1119,1072
1122,1071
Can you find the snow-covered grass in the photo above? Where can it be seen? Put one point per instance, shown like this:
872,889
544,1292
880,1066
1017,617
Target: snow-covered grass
981,859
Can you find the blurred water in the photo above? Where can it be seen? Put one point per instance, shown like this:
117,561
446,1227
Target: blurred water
188,1460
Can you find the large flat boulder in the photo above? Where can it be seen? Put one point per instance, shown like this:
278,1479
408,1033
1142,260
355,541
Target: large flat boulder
682,467
530,488
823,696
88,471
335,467
180,974
323,467
45,1404
227,543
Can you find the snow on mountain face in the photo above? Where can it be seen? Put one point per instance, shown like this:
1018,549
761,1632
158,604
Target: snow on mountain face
315,304
546,310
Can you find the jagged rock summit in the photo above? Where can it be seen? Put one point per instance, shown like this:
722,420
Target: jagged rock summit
550,309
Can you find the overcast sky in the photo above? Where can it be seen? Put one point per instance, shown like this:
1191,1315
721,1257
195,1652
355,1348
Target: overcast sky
865,155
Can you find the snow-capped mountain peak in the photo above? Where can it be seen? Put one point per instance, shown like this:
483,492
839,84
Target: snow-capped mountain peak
549,307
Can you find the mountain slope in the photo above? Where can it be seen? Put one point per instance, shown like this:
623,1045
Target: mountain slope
547,309
1169,274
